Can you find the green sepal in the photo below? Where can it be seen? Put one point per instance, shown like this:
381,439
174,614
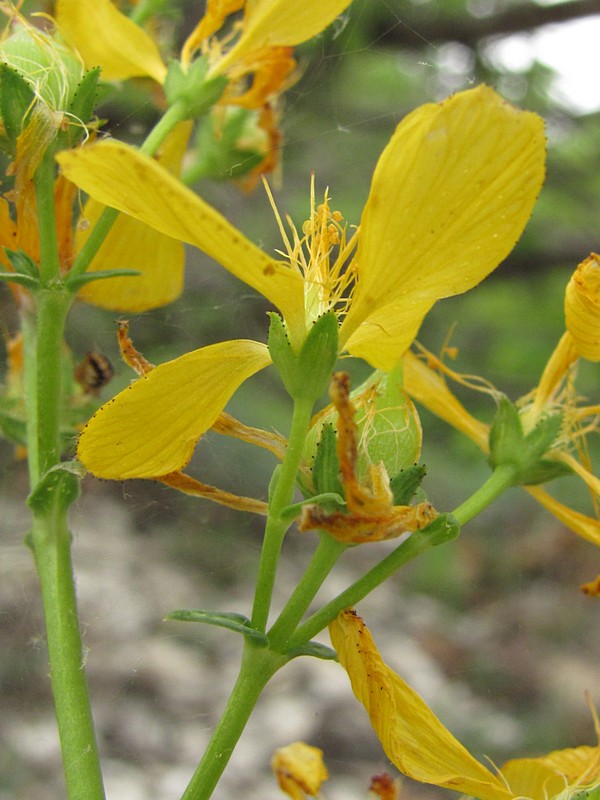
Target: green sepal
314,649
545,471
58,488
509,446
223,148
81,109
405,484
16,98
589,793
22,280
506,433
326,466
74,284
305,375
444,528
223,619
191,87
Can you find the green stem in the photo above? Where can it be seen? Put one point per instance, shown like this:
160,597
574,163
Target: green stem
43,180
51,543
501,479
416,544
43,337
258,666
174,115
276,527
420,541
325,556
52,549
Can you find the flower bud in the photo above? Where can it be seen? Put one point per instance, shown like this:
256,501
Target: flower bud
51,70
582,308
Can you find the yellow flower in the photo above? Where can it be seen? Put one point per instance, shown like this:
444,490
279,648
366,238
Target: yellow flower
582,308
450,196
419,745
130,244
424,382
300,770
255,57
107,38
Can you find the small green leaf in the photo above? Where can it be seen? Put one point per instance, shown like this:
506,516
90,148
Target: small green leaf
22,263
444,528
330,501
58,488
314,649
22,280
80,280
223,619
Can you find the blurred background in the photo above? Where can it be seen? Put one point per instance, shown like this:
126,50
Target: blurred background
491,629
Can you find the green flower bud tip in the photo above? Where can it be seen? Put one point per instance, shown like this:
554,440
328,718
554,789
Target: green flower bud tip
49,67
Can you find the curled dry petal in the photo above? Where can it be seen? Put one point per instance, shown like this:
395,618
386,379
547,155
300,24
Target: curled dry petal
419,745
412,736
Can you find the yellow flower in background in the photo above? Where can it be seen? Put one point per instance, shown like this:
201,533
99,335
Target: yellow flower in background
107,38
424,382
158,259
130,244
421,747
450,196
300,770
582,308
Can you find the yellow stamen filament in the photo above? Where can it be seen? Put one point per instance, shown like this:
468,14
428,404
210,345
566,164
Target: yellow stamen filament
322,255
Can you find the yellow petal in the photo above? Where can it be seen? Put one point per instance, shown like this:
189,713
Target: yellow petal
412,736
541,778
586,527
104,37
582,308
548,776
270,23
428,387
450,196
118,176
151,428
299,769
132,245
